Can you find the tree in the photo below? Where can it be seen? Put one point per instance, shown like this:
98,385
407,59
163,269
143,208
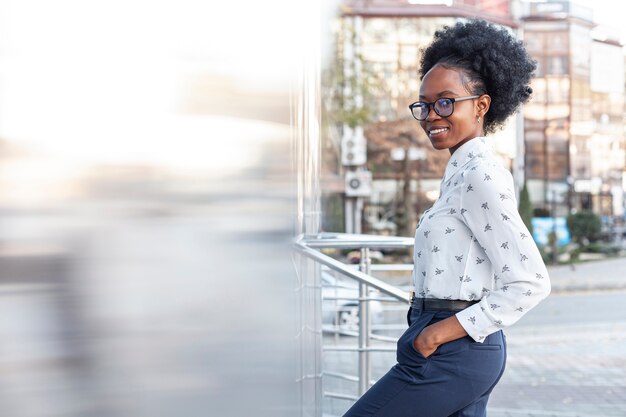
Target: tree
584,224
525,208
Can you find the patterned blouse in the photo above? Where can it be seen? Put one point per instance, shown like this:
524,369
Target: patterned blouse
472,245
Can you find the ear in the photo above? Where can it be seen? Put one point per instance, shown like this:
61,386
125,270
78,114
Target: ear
482,105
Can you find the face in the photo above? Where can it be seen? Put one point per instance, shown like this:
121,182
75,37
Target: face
462,125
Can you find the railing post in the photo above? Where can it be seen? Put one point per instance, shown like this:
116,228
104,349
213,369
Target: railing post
364,325
309,247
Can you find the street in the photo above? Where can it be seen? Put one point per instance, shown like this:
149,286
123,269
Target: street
566,357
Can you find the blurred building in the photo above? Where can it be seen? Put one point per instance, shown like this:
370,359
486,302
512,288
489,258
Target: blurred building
378,52
568,146
574,138
607,145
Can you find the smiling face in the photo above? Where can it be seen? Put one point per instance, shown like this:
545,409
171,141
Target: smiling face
462,125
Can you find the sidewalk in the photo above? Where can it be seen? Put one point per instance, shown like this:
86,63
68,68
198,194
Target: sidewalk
560,364
566,368
607,274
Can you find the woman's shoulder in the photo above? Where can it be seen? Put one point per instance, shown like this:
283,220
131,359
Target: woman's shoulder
488,175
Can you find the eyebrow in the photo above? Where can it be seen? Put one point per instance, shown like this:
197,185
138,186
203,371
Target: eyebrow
442,93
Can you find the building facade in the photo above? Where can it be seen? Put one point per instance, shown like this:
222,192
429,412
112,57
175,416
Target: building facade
574,138
405,168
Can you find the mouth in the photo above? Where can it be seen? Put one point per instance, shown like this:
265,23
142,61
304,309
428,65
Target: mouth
437,131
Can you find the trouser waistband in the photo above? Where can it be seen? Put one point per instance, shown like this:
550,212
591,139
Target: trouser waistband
440,304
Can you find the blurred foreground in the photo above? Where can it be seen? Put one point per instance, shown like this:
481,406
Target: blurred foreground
158,305
146,211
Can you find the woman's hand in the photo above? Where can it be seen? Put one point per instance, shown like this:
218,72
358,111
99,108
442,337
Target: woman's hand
424,342
437,334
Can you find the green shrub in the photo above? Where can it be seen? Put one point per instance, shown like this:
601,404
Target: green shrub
541,212
584,225
592,248
574,253
332,213
597,247
526,209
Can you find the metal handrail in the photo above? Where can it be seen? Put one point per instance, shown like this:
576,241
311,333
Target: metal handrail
361,277
386,267
308,245
347,241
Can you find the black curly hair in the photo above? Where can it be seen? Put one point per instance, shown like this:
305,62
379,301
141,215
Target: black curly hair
491,61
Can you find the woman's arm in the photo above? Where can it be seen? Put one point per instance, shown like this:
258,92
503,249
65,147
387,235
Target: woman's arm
437,334
520,280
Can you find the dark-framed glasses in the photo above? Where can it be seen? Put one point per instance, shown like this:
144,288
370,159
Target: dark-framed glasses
444,107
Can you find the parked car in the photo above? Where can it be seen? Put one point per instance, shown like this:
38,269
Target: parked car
340,305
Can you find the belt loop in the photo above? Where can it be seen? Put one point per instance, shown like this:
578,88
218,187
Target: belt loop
417,303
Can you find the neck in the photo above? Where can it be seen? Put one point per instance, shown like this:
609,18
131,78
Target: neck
458,145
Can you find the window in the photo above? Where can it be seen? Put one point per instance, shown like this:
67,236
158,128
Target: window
558,65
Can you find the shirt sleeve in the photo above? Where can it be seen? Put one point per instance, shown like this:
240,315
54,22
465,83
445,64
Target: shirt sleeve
520,281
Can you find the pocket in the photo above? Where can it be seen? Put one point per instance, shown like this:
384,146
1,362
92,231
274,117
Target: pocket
417,352
482,346
418,323
452,347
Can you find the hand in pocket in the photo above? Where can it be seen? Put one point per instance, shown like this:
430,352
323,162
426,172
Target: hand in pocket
421,346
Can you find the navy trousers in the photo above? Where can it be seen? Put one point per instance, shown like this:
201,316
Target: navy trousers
454,381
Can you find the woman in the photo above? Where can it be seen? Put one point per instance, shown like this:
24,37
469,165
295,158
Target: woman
477,269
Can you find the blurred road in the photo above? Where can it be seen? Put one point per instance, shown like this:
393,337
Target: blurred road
566,357
594,275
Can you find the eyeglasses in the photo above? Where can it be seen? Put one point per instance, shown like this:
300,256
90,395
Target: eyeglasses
444,107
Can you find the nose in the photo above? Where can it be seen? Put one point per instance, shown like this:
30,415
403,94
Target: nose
432,114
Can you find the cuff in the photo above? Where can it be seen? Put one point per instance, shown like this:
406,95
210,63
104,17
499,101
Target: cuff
475,322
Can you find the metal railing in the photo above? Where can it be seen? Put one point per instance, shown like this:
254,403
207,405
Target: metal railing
310,248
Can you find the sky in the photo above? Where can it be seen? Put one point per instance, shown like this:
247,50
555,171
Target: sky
608,12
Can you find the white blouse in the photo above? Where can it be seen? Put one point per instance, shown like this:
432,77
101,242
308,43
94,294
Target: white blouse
473,245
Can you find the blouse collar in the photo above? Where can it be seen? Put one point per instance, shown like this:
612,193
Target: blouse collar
476,147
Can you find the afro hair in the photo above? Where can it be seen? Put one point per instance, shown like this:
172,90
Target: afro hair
491,61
